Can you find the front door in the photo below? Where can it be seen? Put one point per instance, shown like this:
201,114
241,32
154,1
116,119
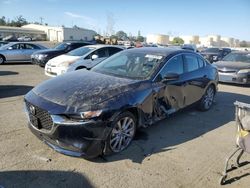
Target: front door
169,95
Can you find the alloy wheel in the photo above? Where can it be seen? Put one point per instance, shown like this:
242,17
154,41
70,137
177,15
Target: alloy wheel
208,98
1,60
122,134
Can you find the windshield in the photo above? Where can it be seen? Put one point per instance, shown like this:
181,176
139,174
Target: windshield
243,57
61,46
128,64
212,50
80,51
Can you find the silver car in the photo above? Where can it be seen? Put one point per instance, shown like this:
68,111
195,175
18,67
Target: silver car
18,51
84,57
234,68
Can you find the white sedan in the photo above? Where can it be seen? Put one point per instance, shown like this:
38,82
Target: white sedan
66,62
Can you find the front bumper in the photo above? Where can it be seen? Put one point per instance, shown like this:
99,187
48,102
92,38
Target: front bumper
80,139
40,62
54,71
234,78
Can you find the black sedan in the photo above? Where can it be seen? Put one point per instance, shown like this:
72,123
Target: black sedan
234,68
215,54
90,113
43,56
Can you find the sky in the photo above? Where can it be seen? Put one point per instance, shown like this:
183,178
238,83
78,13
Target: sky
229,18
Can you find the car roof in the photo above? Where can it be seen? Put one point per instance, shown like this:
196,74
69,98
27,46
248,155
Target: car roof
159,51
96,46
13,43
76,42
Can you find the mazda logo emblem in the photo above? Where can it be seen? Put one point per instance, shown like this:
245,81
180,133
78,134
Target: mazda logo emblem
32,110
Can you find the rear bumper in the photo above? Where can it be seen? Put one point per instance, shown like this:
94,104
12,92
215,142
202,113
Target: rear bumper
234,78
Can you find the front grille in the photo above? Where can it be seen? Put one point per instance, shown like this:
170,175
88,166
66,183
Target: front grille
226,71
39,118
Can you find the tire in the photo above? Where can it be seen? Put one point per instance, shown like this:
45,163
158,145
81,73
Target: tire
2,60
122,133
207,99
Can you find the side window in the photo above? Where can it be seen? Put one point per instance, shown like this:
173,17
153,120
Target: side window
102,52
15,46
201,62
190,62
174,65
75,45
21,46
30,46
112,50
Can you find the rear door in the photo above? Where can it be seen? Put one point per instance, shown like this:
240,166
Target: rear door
29,49
195,78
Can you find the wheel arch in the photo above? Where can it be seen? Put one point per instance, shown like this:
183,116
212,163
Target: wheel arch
4,58
134,110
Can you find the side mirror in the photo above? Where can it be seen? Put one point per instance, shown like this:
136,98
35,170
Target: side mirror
94,56
10,48
171,77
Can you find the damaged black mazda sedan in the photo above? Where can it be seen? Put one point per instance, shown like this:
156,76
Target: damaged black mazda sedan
90,113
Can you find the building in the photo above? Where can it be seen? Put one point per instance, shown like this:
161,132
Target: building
158,39
60,34
19,31
194,39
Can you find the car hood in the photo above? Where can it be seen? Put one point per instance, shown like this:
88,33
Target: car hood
49,51
64,59
80,89
210,53
232,65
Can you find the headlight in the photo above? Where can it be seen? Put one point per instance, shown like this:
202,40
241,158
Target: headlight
41,56
63,64
243,71
86,115
90,114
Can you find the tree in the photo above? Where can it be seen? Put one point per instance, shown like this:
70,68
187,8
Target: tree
178,41
2,20
110,24
20,21
121,35
243,44
140,38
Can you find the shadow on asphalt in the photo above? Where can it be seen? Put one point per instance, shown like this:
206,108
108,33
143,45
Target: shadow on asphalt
6,73
23,179
234,84
17,63
179,128
13,90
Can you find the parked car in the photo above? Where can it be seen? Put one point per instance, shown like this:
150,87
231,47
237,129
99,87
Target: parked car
42,57
215,54
84,57
10,38
191,47
3,43
24,38
18,52
235,68
90,113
